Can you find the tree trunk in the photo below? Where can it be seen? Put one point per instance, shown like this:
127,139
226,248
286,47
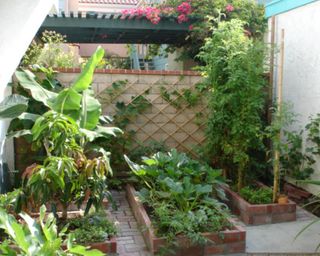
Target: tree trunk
64,211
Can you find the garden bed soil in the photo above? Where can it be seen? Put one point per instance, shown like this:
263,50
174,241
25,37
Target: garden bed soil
260,214
225,242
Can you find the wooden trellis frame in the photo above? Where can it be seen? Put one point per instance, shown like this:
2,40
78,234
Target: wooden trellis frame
182,137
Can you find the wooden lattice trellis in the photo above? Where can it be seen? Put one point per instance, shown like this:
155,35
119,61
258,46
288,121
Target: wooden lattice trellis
177,127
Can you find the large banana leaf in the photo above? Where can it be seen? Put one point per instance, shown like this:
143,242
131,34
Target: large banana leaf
85,79
101,131
13,106
90,112
78,101
28,116
27,80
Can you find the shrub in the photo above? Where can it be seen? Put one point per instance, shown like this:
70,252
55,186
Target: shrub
234,67
257,195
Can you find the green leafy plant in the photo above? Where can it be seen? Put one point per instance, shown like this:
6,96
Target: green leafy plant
256,195
64,131
92,228
49,51
294,161
234,67
182,195
34,238
66,173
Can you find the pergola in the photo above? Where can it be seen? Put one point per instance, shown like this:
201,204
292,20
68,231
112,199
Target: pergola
115,28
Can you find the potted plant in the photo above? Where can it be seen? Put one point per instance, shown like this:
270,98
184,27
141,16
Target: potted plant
177,204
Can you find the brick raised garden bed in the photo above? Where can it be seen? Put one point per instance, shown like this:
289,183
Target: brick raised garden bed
108,246
259,214
227,242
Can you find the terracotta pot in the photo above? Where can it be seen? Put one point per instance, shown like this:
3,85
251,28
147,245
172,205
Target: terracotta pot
283,199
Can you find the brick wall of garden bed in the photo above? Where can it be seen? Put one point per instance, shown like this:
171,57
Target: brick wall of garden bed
179,128
253,214
226,242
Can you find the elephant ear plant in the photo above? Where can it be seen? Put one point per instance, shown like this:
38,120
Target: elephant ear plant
182,196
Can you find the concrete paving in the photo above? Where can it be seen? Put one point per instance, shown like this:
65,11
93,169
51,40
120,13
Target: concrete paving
280,238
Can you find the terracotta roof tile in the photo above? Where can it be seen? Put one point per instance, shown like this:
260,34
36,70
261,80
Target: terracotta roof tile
124,2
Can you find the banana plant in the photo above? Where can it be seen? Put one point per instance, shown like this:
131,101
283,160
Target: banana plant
77,101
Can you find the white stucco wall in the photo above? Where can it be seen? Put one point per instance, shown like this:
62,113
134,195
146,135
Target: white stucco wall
19,22
301,84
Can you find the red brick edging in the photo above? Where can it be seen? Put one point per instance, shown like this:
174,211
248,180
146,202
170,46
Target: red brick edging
259,214
133,71
108,246
226,242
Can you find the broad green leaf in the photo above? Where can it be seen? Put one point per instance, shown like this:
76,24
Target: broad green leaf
17,134
90,111
85,78
203,189
5,249
67,100
13,106
100,131
33,227
81,250
28,116
27,81
107,131
150,161
19,236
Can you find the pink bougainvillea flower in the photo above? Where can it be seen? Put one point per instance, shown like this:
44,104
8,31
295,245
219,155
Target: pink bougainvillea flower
184,8
229,8
182,18
191,27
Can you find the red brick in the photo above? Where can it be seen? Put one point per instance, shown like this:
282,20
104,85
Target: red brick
246,218
192,251
231,236
236,247
258,209
261,219
214,249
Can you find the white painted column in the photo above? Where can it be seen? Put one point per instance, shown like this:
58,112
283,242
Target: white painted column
19,22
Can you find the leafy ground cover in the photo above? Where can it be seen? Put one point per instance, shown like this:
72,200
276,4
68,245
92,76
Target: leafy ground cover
182,196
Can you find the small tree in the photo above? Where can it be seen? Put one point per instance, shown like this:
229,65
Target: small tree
234,72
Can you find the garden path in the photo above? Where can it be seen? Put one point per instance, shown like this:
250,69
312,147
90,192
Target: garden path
263,240
130,241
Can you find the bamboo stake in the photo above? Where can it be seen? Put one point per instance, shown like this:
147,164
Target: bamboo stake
270,91
276,169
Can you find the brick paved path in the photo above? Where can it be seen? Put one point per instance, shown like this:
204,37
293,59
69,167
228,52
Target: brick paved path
130,241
